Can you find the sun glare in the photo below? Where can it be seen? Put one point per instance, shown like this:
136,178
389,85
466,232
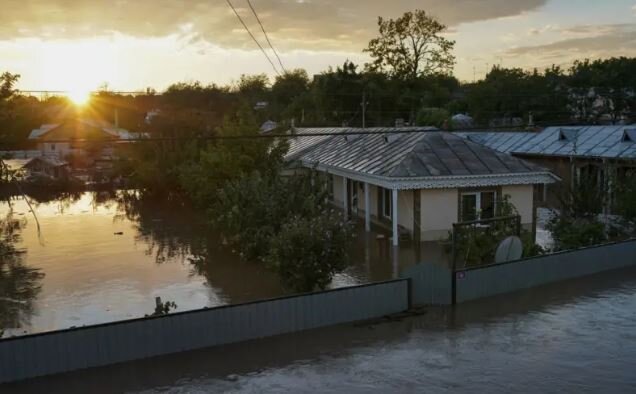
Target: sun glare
79,96
78,67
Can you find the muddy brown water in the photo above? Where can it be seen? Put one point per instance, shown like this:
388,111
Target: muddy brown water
576,336
102,257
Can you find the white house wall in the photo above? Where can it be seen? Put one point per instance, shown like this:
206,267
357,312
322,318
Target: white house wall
439,210
405,209
521,197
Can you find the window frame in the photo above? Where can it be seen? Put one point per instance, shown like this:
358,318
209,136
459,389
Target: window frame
478,201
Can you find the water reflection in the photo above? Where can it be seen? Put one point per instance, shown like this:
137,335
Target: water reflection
19,284
108,255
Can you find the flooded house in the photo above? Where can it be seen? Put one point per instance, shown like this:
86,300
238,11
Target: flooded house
603,154
50,167
86,139
40,166
418,181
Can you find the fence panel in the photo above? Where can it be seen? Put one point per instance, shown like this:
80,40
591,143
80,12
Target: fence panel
430,284
85,347
504,278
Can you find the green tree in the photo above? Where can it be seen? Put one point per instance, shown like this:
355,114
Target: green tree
576,223
307,252
436,117
238,153
285,223
411,46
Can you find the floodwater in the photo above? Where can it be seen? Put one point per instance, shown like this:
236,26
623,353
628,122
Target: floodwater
101,257
576,336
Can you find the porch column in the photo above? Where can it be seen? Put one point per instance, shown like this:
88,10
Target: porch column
395,217
545,192
367,208
345,197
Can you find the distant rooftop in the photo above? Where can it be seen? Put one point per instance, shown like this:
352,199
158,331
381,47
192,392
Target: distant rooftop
105,127
612,142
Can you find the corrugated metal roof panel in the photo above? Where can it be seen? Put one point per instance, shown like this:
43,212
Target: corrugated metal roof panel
590,141
418,154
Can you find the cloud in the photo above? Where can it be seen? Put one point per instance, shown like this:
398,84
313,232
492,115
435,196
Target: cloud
588,42
542,30
293,24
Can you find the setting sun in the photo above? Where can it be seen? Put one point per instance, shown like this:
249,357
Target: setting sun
79,96
78,67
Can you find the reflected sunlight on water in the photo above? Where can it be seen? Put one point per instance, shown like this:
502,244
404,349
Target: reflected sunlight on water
105,257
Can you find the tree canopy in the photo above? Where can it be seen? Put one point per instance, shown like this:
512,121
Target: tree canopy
411,46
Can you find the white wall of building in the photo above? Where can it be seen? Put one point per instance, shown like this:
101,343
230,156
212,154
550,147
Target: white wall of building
439,210
406,209
522,196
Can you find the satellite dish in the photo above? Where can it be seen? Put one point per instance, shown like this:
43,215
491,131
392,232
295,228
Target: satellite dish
510,249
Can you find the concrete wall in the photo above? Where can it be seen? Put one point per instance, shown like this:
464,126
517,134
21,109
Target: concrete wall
69,350
521,196
504,278
439,211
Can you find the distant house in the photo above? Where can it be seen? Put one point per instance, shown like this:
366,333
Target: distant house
570,151
94,138
268,126
50,167
418,180
462,121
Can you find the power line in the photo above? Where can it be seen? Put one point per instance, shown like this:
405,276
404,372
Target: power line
252,35
266,36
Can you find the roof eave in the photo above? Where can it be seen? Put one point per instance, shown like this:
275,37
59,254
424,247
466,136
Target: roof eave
441,182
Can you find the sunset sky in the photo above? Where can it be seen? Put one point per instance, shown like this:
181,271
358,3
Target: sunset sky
134,44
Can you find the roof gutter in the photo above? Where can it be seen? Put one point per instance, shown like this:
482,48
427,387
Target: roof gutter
440,182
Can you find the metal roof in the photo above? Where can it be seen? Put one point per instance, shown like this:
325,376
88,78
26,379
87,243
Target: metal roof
97,124
318,135
580,141
414,155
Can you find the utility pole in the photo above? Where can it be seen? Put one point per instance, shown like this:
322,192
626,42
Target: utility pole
364,109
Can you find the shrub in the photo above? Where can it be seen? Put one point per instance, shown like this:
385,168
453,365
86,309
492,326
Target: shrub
306,253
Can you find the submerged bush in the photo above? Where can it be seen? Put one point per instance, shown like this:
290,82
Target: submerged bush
306,253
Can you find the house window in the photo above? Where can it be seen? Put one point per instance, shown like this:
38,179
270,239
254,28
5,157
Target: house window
52,146
387,203
477,206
